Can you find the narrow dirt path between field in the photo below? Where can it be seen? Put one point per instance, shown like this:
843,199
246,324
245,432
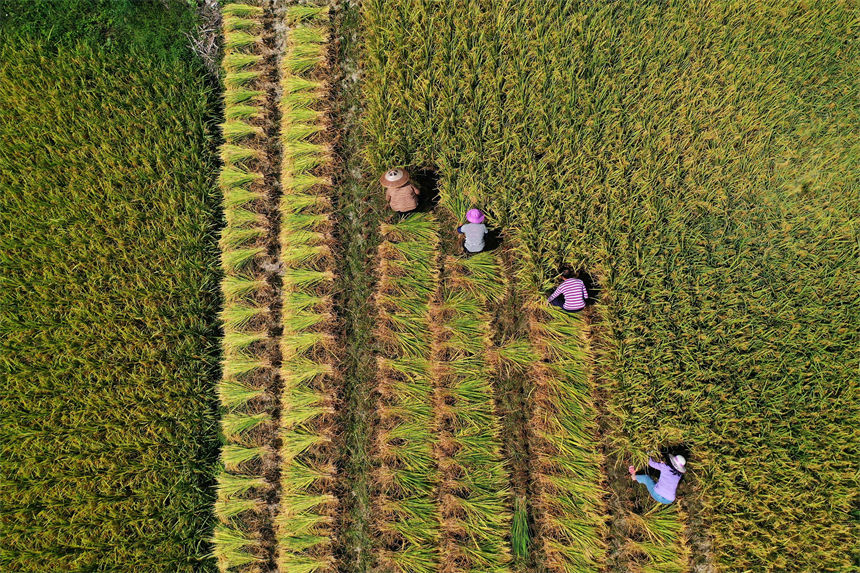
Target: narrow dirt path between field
357,208
270,120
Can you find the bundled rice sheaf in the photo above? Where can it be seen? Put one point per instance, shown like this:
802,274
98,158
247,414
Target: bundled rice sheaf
304,524
245,400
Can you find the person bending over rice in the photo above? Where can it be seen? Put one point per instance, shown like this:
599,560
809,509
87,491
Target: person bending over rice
400,193
571,293
663,490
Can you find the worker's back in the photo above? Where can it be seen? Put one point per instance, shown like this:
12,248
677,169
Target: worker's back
475,233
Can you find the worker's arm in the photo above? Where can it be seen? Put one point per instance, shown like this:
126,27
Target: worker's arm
388,194
584,291
555,294
657,465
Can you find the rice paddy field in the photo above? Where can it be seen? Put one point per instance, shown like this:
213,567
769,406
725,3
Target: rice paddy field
108,293
221,351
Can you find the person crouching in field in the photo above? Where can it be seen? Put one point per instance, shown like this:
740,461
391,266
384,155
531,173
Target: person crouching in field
663,490
571,293
473,232
400,193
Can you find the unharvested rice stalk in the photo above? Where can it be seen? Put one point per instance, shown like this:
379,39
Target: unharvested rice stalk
701,158
475,503
241,485
303,527
406,516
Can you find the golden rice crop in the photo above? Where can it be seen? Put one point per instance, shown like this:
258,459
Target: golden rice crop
698,159
475,503
406,516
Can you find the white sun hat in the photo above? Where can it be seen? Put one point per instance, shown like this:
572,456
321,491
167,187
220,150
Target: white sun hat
678,462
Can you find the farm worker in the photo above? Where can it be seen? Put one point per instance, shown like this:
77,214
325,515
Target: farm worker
571,293
402,196
670,475
473,232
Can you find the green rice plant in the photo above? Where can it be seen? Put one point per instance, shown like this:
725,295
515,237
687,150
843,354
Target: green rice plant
306,278
234,96
701,183
303,221
304,525
474,490
302,156
297,109
243,112
307,58
300,103
227,509
109,298
236,61
231,177
234,237
246,367
237,316
293,84
240,218
304,13
237,288
301,342
294,203
235,260
309,35
239,79
233,455
308,256
229,486
237,155
568,498
230,548
239,197
300,131
235,394
241,10
238,342
238,40
520,529
406,515
233,425
234,23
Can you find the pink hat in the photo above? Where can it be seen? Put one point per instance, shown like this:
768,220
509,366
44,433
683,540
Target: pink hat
474,216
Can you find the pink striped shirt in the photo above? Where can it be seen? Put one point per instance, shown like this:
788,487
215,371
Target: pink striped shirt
574,294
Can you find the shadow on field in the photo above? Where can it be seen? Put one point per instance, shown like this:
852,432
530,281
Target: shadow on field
427,180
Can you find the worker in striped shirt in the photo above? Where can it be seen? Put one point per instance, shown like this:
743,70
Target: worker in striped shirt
571,294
